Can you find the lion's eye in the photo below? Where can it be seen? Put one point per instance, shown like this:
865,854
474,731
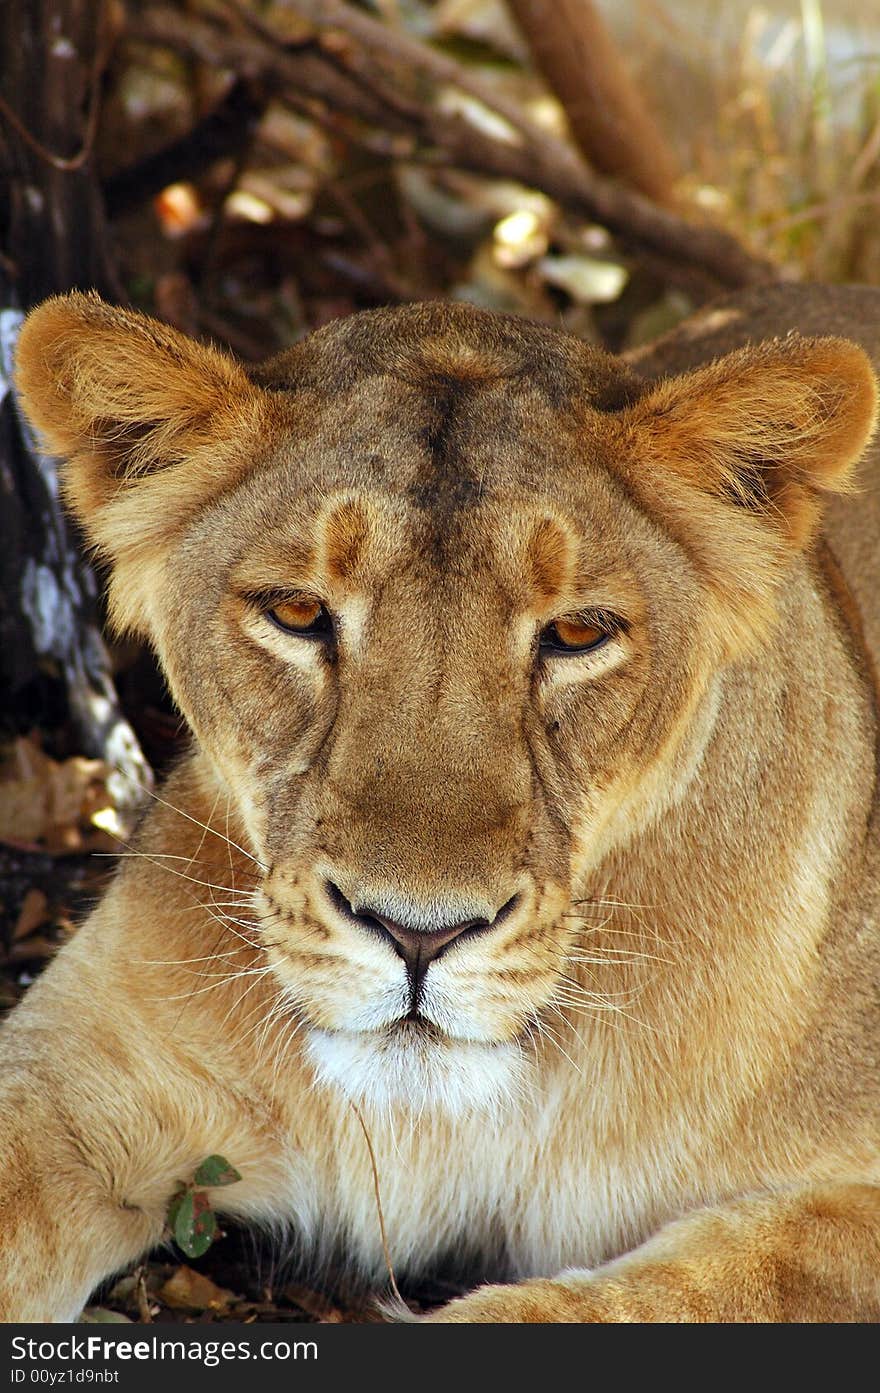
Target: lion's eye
577,634
301,615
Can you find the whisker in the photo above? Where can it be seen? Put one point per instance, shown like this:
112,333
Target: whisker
576,988
554,1039
282,1052
619,930
278,1011
229,843
196,821
592,928
617,909
384,1237
198,849
614,904
228,918
228,904
221,919
183,962
148,856
223,978
621,957
158,855
598,1010
231,976
240,1039
578,995
592,1005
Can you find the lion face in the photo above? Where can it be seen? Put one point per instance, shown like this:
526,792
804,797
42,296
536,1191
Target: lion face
431,677
446,600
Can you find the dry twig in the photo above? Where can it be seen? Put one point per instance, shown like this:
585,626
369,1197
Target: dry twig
384,90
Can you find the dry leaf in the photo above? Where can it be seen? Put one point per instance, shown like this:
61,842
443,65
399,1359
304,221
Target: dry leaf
35,948
47,802
187,1290
315,1304
34,911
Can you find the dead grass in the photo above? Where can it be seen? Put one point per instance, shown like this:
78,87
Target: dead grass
778,126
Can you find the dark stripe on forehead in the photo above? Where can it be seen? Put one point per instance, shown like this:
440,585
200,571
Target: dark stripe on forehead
444,482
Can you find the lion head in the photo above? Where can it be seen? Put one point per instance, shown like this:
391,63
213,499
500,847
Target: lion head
446,599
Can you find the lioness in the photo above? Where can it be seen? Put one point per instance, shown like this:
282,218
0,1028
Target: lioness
531,816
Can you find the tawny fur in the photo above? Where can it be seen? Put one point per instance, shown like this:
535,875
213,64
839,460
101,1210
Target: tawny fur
650,1091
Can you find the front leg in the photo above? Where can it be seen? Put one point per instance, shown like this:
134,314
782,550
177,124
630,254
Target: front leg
102,1113
63,1228
809,1253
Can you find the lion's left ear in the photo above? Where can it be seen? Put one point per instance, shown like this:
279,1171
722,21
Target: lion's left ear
770,428
736,459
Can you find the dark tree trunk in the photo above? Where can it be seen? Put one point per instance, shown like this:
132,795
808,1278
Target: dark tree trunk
54,668
607,113
55,236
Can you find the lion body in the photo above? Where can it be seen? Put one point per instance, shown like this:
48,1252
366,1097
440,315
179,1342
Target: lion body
658,1054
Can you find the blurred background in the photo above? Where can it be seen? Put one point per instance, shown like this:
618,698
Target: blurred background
248,170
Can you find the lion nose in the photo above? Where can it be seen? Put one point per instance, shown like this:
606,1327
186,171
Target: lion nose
420,946
420,940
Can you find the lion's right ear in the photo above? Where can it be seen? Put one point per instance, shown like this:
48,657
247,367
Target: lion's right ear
151,425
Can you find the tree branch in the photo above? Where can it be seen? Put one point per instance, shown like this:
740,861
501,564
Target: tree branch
223,132
379,87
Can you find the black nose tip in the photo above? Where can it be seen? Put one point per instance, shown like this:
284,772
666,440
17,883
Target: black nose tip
418,942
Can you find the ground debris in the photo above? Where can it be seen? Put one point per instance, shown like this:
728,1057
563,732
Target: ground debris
60,806
223,1291
188,1290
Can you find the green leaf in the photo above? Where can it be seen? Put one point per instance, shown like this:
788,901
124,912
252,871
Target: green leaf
182,1217
204,1230
174,1206
193,1223
216,1170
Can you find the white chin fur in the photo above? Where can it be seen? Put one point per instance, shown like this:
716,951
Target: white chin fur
406,1069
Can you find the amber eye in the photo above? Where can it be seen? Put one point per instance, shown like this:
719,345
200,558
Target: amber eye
578,634
302,615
